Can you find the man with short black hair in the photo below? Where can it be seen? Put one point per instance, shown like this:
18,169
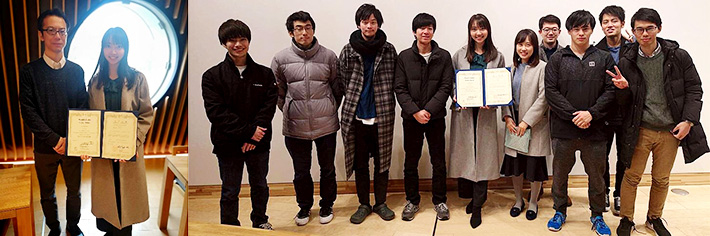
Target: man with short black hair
49,86
240,101
366,69
423,82
611,20
550,27
579,94
662,92
309,96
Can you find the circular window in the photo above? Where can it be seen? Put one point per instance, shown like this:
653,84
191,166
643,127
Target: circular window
153,43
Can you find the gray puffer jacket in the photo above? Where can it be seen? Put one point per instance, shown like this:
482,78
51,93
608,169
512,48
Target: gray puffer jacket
309,95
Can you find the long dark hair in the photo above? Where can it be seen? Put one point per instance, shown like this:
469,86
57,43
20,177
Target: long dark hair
490,51
117,36
520,38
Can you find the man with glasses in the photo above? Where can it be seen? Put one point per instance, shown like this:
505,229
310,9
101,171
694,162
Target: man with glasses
612,21
549,31
579,93
49,86
662,92
309,97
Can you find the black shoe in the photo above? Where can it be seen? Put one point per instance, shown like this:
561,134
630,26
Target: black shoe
74,231
55,232
657,225
617,206
383,211
625,227
469,207
607,207
531,215
515,212
476,218
359,215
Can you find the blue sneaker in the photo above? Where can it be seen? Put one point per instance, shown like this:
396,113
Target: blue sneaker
555,224
599,226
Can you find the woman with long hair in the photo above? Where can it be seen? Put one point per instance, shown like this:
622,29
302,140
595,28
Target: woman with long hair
119,193
476,140
529,111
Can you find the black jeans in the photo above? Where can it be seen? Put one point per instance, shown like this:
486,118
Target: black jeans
620,168
231,166
46,166
413,142
300,150
366,146
592,155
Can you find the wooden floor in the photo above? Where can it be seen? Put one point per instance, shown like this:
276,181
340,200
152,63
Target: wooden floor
154,173
686,215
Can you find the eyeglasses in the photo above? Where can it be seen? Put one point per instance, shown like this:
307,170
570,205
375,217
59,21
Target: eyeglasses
650,29
302,29
547,30
53,31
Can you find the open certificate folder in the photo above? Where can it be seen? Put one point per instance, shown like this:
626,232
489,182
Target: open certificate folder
103,134
489,87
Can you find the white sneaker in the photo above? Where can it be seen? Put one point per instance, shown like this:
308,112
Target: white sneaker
326,215
303,217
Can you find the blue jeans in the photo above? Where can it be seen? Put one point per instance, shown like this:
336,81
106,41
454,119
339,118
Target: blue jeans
231,166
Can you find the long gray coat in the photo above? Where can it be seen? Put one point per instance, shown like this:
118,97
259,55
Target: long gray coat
481,160
134,188
308,91
533,109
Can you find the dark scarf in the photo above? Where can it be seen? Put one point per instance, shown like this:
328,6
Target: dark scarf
367,48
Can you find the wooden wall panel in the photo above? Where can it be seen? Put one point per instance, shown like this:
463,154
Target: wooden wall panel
19,44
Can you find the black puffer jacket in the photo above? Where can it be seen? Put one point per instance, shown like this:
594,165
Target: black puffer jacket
684,93
421,85
237,103
574,85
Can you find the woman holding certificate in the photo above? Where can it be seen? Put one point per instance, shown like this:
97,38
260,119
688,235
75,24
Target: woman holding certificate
475,143
530,113
119,193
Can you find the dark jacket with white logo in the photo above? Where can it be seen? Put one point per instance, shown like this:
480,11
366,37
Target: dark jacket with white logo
574,85
237,103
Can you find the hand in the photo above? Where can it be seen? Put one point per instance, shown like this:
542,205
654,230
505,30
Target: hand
459,108
485,107
628,36
247,147
618,79
681,130
581,118
522,127
85,158
510,124
422,116
61,145
258,134
119,160
584,126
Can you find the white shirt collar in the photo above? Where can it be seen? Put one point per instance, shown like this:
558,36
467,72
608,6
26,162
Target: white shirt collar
53,64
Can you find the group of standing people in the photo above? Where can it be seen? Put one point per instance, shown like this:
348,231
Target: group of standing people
640,88
49,87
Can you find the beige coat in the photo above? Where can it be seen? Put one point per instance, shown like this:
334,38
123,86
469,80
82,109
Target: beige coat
134,190
533,109
478,159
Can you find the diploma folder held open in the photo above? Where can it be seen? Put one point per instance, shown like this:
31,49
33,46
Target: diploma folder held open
487,87
102,134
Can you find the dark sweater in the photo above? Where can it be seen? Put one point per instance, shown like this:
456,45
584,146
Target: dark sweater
46,95
656,113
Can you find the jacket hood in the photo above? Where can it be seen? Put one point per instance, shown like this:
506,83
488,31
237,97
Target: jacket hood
666,46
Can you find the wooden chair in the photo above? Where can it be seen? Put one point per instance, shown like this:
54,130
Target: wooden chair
176,173
16,199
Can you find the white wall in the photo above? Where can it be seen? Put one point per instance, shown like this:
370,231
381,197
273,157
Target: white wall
683,20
